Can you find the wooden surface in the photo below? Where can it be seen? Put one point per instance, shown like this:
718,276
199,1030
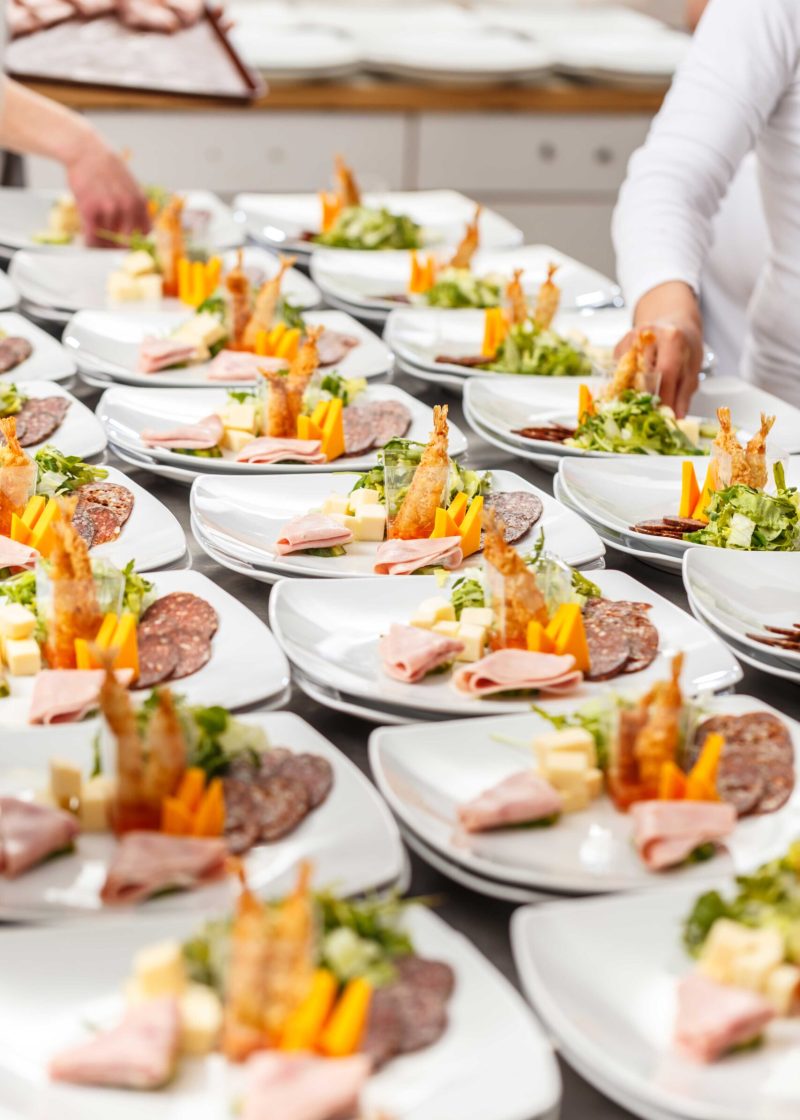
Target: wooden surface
382,96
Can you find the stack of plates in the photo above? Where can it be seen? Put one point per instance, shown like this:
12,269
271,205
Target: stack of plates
295,52
237,521
469,55
371,285
632,58
615,494
739,594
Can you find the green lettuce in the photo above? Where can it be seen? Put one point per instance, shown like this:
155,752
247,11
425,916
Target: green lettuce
11,399
633,424
459,287
361,227
741,517
61,474
527,349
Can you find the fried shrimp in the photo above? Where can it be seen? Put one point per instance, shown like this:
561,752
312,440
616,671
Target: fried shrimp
238,288
303,368
278,420
659,738
729,457
17,474
346,185
164,749
263,316
519,600
632,367
117,710
416,517
756,453
468,245
169,241
75,612
517,301
547,301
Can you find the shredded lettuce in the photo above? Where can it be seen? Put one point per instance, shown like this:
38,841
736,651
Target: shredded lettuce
468,590
527,349
61,474
138,593
744,518
20,589
633,424
459,287
329,386
360,227
11,399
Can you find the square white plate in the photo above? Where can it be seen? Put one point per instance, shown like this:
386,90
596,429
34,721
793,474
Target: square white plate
774,666
426,772
492,1063
76,281
126,412
351,838
246,665
109,341
331,631
364,279
9,297
79,433
49,360
24,212
245,519
603,974
280,220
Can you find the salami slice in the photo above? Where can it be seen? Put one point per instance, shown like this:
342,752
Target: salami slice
373,424
106,524
518,510
333,347
193,651
13,351
437,976
157,659
659,528
392,420
359,433
283,805
180,610
271,762
39,417
313,772
609,647
756,772
110,494
243,804
84,523
643,639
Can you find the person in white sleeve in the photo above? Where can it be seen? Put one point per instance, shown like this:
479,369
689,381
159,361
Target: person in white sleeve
738,91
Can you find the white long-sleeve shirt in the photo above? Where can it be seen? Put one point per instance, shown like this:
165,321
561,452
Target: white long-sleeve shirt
737,91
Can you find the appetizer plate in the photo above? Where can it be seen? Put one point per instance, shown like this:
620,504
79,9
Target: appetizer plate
49,360
474,55
126,412
492,1063
364,280
426,772
246,665
331,631
281,220
76,281
745,592
144,462
24,211
79,433
107,342
543,459
617,494
245,519
603,973
351,839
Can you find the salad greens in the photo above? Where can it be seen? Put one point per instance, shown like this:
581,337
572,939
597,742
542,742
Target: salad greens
138,593
332,385
741,517
767,899
459,287
11,399
633,424
213,305
20,589
558,582
405,454
527,349
61,474
292,316
467,591
135,242
200,453
361,227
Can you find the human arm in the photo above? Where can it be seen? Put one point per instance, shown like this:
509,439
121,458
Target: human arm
694,9
106,192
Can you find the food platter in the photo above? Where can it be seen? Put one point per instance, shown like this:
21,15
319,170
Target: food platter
48,359
78,433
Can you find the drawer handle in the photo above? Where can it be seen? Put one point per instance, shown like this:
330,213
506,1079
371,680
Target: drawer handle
603,155
547,151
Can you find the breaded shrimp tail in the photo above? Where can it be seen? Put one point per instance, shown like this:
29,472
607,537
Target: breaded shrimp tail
756,453
517,301
548,300
416,517
468,246
519,600
346,185
263,317
729,456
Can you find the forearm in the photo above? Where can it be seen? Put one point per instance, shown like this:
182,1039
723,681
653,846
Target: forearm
34,125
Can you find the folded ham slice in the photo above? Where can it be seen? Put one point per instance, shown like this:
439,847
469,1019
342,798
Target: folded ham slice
140,1053
266,449
509,670
408,653
241,365
206,433
401,558
162,353
66,695
667,832
520,798
16,555
148,862
303,1086
713,1018
311,530
333,347
30,832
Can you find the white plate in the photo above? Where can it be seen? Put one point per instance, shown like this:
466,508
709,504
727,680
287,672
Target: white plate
49,360
492,1063
766,663
143,462
127,412
9,297
24,212
280,220
351,838
476,54
303,52
245,520
646,55
76,281
79,433
744,592
108,342
331,631
246,664
617,494
603,973
364,279
426,772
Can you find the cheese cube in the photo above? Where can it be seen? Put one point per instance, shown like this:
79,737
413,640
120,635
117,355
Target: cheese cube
234,440
66,781
122,287
370,523
23,657
690,428
150,287
478,616
735,954
574,800
16,621
159,969
783,988
431,611
566,770
364,497
337,503
474,639
347,520
201,1019
139,263
567,739
97,795
594,782
240,415
201,330
449,629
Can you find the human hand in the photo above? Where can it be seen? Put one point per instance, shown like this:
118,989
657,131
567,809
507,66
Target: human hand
106,193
